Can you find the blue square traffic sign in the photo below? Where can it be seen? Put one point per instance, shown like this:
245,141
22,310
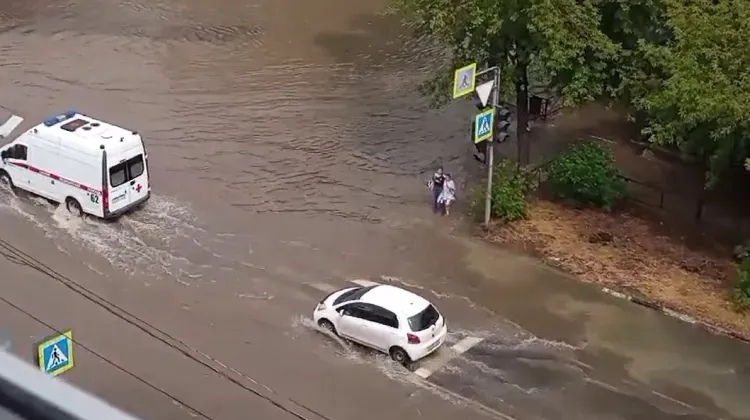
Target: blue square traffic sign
55,354
483,125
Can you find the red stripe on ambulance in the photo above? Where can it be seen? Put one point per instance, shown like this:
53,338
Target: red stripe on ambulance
56,177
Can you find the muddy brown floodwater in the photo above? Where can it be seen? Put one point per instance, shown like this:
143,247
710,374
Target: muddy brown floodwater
288,153
276,120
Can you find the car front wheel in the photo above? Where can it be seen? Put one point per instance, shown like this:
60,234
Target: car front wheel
328,326
5,180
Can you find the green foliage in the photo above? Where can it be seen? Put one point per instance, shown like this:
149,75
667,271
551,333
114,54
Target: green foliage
742,251
741,292
633,25
586,174
561,38
510,188
702,105
681,66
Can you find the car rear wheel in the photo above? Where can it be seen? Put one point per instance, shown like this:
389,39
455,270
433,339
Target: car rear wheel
327,325
73,206
400,356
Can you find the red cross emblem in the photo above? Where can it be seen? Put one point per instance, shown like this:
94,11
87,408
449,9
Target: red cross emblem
138,188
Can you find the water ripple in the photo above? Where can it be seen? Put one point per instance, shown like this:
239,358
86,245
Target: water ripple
219,103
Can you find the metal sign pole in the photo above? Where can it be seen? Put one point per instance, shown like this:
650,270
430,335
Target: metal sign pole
488,194
6,339
491,153
464,83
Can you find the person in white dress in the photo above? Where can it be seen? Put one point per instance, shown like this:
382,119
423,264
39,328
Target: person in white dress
448,195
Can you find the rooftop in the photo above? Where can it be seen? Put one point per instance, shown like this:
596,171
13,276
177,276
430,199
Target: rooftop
86,132
396,300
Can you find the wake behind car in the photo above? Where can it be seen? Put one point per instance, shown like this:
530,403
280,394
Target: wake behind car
89,165
385,318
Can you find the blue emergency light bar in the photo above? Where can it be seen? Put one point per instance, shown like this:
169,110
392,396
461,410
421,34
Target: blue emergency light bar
49,122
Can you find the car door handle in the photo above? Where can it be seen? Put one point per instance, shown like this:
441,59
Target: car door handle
132,182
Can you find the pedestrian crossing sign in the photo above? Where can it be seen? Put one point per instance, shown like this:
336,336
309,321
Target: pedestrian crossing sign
483,125
54,354
464,80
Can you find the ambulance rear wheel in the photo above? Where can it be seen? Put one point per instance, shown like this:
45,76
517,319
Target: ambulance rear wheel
73,206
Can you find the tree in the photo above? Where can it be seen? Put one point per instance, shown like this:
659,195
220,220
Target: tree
559,40
702,104
635,25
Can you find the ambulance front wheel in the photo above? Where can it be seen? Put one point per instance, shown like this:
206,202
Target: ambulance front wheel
5,180
73,206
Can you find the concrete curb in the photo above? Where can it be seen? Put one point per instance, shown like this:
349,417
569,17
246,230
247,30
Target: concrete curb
674,314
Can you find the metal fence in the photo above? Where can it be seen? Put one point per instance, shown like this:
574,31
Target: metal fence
702,210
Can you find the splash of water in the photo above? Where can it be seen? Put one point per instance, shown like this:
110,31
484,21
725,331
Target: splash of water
139,243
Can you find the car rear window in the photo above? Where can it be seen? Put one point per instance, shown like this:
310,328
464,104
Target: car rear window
424,319
354,294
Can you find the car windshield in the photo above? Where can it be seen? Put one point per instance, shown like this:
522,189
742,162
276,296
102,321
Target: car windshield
424,319
354,294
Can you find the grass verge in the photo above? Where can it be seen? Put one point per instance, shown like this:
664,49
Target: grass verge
626,252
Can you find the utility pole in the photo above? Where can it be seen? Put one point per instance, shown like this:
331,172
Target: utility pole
486,125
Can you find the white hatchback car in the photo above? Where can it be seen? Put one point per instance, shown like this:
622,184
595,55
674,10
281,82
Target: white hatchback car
386,318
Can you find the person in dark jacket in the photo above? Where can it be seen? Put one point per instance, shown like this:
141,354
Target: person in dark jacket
436,186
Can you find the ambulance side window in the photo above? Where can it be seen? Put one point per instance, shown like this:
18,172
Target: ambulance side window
21,152
18,151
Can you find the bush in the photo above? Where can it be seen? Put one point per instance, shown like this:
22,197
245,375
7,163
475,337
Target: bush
742,251
741,291
510,188
586,174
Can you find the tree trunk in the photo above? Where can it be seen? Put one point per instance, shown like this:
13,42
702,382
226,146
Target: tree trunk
522,114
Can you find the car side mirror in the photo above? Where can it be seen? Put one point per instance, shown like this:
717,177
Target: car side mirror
4,155
341,311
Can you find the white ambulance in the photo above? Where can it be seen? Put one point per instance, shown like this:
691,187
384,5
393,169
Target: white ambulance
89,165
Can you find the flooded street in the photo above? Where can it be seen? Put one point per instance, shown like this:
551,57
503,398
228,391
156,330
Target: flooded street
288,151
282,126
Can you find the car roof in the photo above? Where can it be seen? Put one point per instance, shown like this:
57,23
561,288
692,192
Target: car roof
395,299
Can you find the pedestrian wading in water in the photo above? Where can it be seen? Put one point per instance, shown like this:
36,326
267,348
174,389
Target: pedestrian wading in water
436,186
443,190
448,195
